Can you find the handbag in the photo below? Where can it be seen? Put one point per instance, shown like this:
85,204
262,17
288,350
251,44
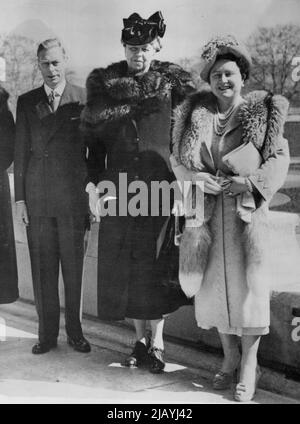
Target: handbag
244,160
167,265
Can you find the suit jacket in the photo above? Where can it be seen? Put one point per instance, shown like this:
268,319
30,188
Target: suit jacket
50,168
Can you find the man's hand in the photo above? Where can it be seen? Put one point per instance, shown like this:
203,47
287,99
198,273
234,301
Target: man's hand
22,215
93,199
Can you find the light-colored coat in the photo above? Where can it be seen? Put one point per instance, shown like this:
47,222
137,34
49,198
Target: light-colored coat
227,254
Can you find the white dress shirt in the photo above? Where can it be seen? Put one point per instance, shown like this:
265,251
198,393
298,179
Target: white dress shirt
58,90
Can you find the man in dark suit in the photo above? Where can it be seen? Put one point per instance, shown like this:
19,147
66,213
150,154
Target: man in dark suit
50,177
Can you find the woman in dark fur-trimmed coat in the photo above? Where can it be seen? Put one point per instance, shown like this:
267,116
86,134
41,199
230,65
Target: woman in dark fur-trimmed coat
127,122
234,145
8,266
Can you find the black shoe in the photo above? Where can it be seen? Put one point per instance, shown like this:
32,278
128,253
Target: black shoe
157,363
43,347
80,344
139,356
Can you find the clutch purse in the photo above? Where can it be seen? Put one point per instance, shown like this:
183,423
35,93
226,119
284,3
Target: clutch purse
244,160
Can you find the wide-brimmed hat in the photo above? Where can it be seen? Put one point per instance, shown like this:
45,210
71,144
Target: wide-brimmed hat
139,31
222,45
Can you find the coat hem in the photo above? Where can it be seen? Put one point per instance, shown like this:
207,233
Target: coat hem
9,299
237,331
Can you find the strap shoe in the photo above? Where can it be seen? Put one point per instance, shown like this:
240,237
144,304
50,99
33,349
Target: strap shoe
139,356
157,363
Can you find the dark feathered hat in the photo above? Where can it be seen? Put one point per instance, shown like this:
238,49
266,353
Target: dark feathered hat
139,31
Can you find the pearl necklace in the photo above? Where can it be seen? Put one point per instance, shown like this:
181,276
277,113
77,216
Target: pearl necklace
221,120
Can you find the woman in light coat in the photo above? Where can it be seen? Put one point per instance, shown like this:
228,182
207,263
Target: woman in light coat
234,146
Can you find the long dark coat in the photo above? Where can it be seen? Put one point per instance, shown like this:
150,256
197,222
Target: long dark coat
128,120
8,264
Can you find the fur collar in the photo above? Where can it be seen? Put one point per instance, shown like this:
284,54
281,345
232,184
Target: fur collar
113,94
261,116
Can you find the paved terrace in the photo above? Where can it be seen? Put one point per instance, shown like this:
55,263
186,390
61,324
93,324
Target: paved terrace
66,376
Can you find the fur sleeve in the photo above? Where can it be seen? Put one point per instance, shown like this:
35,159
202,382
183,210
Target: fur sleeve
179,123
97,111
278,111
95,85
182,82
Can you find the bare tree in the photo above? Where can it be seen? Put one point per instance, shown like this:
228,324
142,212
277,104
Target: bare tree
272,50
21,65
192,65
22,72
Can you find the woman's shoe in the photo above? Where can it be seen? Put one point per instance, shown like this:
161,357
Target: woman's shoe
244,393
138,357
223,380
157,363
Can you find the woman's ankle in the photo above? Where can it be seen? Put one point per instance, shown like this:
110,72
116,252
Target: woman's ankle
248,371
231,362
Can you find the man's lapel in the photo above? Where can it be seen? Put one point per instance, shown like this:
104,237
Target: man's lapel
42,106
53,121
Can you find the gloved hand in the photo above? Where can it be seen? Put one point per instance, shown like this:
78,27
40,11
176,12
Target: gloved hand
178,208
93,199
22,215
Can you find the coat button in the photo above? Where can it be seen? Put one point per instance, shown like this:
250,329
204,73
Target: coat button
46,154
136,158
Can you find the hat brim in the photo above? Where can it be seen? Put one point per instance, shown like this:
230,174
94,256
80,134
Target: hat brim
139,35
138,41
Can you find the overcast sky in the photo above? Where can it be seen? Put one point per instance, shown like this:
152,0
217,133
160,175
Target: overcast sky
91,29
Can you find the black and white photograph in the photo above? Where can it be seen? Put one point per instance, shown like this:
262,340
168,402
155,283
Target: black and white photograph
150,204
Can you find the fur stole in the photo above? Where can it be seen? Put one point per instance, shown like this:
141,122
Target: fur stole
114,95
262,118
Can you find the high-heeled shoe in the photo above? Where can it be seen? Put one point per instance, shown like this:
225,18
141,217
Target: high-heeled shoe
244,393
157,362
224,380
139,356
